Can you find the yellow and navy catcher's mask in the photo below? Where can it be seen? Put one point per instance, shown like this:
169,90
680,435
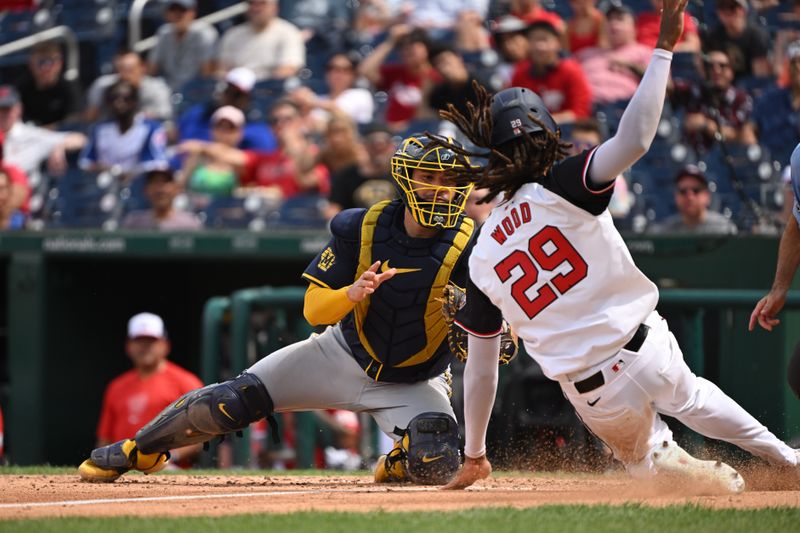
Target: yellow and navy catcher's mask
431,205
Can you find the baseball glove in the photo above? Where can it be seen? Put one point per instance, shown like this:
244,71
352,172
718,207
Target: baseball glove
453,299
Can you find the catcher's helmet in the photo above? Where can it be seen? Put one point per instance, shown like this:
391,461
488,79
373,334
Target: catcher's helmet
510,110
430,205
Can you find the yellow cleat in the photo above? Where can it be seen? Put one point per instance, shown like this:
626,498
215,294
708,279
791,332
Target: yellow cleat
391,467
110,462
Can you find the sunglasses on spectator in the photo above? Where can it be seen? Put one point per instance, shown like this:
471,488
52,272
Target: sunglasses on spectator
684,191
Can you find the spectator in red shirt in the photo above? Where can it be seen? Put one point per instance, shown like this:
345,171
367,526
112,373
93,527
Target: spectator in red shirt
407,81
20,192
560,82
138,395
587,27
531,11
289,170
649,22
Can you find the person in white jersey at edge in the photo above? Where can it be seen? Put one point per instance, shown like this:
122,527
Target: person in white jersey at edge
550,261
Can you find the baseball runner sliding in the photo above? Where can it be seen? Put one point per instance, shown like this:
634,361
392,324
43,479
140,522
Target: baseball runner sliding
550,261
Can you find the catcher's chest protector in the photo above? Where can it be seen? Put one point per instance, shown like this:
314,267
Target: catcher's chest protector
401,324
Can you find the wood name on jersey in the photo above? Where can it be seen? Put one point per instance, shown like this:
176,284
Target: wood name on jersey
517,216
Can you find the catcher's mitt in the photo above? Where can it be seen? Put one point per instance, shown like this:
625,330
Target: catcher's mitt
453,299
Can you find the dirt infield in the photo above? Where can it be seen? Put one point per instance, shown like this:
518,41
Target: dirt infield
26,496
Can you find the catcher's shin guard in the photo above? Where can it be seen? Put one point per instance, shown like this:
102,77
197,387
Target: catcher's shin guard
109,462
202,414
432,448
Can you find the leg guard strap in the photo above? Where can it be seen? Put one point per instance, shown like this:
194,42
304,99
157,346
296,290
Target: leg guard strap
202,414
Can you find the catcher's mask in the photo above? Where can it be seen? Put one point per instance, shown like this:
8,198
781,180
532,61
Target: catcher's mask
431,205
510,114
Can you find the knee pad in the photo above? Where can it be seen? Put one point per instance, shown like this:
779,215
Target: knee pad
202,414
431,443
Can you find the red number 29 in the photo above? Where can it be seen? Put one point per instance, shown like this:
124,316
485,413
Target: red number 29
563,252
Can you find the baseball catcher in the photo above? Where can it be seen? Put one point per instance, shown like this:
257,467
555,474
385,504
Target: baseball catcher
378,283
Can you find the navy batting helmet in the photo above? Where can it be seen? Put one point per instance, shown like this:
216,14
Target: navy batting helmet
510,114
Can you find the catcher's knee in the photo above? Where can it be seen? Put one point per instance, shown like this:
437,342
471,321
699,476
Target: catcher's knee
202,414
431,443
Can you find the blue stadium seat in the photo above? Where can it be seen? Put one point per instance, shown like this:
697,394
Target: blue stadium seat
91,20
301,211
227,212
86,200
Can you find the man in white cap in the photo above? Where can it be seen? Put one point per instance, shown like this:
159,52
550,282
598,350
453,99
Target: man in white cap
195,123
136,396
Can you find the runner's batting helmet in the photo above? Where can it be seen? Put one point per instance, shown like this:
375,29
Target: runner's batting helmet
510,114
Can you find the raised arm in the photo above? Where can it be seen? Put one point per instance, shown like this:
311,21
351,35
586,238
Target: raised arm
639,122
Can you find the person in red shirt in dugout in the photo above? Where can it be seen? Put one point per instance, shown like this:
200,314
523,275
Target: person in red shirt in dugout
139,394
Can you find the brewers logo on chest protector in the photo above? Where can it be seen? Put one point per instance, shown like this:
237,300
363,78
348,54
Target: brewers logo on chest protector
397,333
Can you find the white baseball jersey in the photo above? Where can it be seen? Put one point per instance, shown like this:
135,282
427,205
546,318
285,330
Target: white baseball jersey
552,262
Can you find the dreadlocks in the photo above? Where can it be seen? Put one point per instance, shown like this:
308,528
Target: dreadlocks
511,164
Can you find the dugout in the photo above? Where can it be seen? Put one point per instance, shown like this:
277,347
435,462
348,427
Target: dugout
67,297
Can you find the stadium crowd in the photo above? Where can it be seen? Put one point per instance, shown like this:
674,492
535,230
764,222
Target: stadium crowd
290,113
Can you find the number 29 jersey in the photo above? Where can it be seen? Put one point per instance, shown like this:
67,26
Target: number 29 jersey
552,262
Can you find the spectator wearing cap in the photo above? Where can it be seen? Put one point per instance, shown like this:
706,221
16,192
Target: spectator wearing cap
160,189
587,27
713,104
289,170
27,146
48,99
184,46
271,47
207,177
343,96
368,181
747,44
407,81
511,40
239,82
154,94
614,72
693,198
648,25
776,113
138,395
128,142
560,82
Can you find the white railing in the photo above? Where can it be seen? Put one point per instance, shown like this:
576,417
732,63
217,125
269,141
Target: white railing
137,44
71,72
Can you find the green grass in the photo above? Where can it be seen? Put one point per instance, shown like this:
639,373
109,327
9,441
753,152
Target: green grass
556,519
